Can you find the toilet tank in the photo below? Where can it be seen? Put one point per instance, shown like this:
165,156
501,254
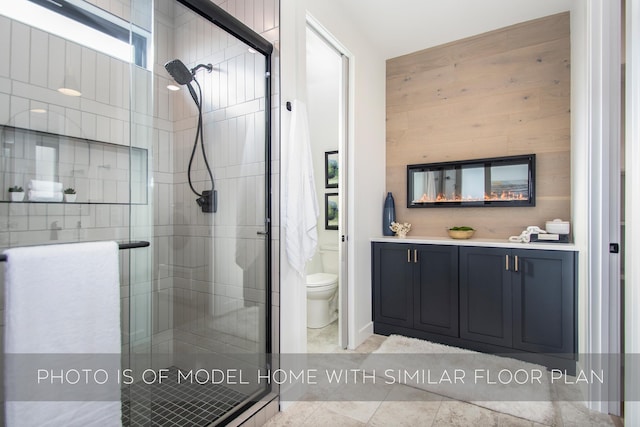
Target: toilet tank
329,258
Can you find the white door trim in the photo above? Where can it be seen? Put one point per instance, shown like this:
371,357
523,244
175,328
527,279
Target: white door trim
632,211
596,101
346,321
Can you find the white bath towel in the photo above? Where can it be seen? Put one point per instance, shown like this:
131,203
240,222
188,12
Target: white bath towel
61,300
39,185
45,196
300,204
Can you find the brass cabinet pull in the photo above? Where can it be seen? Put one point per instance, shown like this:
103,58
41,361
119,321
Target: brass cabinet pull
516,263
408,255
506,262
415,255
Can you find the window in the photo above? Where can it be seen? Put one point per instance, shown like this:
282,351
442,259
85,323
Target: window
85,24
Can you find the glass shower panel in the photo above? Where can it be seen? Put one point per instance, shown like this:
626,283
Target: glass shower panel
220,258
205,308
197,297
92,139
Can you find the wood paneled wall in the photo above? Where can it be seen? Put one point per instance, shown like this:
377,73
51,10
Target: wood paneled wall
501,93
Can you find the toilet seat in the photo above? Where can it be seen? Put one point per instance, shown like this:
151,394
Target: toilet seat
321,279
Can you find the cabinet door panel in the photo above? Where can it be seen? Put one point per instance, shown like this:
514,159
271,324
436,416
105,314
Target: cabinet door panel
436,289
393,279
485,296
543,302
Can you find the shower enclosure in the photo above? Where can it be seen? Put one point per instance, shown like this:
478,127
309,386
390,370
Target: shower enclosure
197,300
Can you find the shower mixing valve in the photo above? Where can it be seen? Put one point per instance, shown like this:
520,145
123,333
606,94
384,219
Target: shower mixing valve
208,202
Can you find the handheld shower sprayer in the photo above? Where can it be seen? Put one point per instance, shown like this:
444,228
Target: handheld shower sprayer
208,199
181,74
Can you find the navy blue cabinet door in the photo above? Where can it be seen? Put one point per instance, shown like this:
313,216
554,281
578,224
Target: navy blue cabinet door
392,284
485,295
435,302
544,302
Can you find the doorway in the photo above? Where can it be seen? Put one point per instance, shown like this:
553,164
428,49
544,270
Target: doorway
327,76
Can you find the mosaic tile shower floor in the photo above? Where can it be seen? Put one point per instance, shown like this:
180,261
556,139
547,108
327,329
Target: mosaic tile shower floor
171,404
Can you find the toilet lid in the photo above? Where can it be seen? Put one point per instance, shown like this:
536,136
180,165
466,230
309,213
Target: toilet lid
321,279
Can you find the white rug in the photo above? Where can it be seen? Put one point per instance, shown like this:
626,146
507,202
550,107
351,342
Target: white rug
521,389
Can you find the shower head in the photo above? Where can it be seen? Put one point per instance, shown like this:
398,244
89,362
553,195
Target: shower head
179,72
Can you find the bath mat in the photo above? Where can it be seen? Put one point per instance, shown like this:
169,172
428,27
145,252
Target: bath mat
399,358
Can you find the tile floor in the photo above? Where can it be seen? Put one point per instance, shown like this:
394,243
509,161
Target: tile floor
171,404
407,406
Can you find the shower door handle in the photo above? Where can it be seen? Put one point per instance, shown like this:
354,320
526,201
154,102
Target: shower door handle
262,233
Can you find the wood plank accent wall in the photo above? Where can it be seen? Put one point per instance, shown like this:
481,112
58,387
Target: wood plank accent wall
500,93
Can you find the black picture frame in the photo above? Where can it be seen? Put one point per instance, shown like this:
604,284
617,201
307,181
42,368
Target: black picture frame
331,171
331,211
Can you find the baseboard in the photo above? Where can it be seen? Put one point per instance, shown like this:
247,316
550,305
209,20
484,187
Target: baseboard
363,333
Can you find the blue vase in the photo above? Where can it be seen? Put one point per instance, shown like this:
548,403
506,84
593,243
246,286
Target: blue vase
388,215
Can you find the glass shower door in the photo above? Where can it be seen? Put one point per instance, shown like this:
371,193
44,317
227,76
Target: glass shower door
206,306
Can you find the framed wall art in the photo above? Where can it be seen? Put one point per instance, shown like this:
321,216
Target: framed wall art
331,211
331,172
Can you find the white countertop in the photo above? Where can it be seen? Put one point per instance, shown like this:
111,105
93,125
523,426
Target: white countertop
495,243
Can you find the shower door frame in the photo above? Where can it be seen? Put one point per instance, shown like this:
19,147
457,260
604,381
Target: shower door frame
222,19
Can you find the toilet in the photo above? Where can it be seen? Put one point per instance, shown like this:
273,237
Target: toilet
322,290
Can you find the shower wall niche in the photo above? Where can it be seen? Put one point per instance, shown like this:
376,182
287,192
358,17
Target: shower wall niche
99,172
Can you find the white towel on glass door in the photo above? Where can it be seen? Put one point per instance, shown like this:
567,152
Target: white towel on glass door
300,204
62,304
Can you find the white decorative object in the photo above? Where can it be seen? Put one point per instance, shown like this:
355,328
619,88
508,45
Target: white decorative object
69,195
525,236
558,226
17,196
401,230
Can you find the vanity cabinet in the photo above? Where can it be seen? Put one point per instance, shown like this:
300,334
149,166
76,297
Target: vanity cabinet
522,299
416,286
393,284
491,299
485,296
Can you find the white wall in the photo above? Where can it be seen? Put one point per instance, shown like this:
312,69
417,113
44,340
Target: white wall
365,165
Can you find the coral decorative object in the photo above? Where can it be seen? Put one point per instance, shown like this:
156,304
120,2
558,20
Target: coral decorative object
401,230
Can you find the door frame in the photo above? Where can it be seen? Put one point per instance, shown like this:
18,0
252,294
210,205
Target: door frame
595,114
345,285
632,208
